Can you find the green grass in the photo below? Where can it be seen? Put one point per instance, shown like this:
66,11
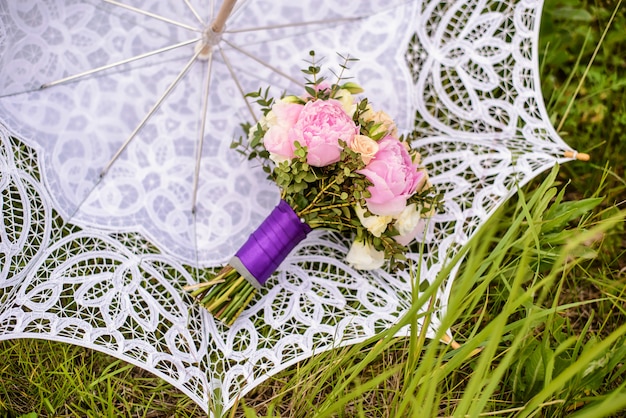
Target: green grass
56,379
510,303
539,304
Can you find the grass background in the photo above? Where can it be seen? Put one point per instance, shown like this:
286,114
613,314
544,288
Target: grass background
539,305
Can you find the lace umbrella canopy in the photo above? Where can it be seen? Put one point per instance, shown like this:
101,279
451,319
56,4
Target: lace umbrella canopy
101,226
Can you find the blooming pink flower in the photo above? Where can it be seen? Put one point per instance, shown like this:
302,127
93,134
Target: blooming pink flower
320,126
287,112
280,120
394,178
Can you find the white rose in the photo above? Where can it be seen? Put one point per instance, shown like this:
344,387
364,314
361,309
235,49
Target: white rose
347,101
376,225
270,119
409,224
362,256
278,158
408,219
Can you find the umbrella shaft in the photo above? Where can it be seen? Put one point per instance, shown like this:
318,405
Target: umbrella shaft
225,10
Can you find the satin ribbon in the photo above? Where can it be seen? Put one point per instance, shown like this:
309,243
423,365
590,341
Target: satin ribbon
270,244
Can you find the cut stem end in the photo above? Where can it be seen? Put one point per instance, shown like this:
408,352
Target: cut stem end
225,296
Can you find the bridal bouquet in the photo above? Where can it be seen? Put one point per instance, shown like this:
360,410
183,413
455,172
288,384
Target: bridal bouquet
340,165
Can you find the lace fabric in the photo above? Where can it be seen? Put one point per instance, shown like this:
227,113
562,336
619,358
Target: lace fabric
98,257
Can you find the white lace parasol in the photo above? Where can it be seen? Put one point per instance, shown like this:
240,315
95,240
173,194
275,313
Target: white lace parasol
101,228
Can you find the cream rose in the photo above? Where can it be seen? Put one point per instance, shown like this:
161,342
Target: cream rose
363,256
365,146
376,225
386,124
424,183
347,101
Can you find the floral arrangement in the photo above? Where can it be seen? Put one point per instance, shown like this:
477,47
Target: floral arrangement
340,165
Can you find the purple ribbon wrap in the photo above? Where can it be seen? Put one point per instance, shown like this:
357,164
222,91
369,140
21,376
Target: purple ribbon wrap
270,244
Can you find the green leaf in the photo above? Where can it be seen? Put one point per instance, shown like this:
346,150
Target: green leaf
573,14
560,214
254,94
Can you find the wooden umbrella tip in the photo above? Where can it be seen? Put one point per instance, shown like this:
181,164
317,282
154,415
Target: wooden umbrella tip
446,339
580,156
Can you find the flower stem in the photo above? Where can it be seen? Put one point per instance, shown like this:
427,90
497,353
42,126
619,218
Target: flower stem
226,295
317,209
314,201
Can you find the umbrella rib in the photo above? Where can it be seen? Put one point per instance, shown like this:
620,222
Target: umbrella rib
292,25
263,63
205,105
150,113
236,80
194,12
118,63
199,148
152,15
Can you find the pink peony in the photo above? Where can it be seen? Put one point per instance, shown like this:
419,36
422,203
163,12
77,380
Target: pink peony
280,120
394,176
319,127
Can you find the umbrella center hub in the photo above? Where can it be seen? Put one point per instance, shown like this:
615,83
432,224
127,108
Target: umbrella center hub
210,38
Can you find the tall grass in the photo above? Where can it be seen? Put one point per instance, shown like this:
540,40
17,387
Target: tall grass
521,354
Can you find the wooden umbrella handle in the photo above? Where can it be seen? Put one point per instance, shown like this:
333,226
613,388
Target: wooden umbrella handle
220,20
581,156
